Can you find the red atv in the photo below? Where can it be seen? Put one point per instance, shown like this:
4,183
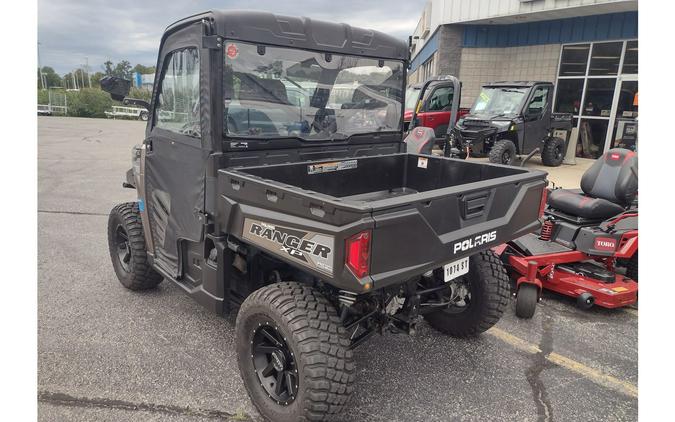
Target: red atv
584,236
432,104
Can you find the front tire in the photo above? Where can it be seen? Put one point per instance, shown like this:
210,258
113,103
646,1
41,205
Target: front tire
526,300
503,152
488,285
553,153
126,243
288,332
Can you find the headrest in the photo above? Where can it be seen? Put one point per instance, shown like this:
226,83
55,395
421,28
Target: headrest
613,177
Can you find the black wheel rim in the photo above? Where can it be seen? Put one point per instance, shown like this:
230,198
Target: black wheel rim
274,363
558,153
506,157
123,248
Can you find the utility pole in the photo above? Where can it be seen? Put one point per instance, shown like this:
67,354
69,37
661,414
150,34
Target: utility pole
42,77
86,60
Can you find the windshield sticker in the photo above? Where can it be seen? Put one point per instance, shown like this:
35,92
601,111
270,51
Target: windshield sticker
310,249
332,166
232,51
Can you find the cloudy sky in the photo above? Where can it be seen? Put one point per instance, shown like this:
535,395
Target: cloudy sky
71,30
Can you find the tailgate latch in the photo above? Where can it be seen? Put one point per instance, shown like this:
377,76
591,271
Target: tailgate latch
473,205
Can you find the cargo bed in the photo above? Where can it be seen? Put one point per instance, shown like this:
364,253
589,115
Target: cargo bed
417,207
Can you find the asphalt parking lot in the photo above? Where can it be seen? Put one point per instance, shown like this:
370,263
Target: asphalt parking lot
106,353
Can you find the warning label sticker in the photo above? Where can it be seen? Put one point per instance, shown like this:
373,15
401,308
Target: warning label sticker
332,166
232,51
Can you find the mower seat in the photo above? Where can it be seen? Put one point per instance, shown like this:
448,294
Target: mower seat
607,187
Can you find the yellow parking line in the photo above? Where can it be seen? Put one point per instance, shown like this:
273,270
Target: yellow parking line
592,374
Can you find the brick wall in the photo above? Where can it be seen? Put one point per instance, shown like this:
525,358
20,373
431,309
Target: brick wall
482,65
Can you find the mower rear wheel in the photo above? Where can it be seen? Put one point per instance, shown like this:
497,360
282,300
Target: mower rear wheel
585,301
632,267
503,152
487,288
526,300
553,153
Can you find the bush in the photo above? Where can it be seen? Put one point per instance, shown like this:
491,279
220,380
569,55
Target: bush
140,94
88,102
43,96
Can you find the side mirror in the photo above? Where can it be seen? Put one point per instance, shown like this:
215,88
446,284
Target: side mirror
118,88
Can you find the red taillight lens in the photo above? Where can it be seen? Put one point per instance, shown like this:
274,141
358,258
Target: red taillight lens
358,253
542,204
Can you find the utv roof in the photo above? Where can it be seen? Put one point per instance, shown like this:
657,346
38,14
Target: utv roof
517,83
299,32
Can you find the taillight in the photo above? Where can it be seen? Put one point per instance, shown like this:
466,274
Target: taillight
357,250
542,204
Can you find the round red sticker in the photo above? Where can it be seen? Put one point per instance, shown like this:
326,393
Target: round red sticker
232,51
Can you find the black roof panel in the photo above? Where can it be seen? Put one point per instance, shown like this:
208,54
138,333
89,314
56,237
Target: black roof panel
301,32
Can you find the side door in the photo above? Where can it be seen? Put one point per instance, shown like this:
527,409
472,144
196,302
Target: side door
537,118
175,160
437,109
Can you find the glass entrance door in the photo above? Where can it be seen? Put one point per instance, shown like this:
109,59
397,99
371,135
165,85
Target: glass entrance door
625,129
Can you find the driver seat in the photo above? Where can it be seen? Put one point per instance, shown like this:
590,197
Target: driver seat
607,187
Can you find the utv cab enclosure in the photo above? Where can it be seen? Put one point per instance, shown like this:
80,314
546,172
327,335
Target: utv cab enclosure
274,179
510,119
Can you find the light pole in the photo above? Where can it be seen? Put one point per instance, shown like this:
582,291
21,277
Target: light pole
42,77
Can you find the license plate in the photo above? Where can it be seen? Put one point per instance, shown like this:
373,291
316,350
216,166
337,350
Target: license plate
456,268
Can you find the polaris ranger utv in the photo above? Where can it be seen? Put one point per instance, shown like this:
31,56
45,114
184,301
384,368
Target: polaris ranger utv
510,119
309,217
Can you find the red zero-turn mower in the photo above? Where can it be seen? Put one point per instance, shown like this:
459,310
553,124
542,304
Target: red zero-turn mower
585,234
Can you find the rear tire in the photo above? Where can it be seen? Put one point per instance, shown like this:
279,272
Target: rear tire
526,300
503,152
632,267
143,116
126,243
311,346
489,287
553,153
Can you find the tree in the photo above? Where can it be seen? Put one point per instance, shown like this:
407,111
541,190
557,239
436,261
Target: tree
108,68
51,78
96,79
144,70
123,70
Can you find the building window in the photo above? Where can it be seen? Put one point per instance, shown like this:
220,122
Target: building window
569,95
630,60
606,58
597,84
428,69
574,59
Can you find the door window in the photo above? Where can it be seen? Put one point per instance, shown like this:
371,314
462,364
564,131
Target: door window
538,101
441,99
177,108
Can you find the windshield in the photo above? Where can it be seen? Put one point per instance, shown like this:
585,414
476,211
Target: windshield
281,92
499,100
412,94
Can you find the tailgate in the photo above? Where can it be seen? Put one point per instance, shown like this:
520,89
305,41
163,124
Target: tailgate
421,235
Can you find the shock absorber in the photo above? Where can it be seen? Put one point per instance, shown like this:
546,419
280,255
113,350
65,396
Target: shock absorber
546,230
